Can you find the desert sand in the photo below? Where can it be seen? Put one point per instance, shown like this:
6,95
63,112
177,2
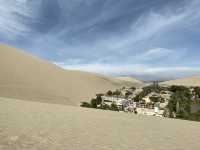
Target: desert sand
26,125
129,79
39,112
27,77
187,81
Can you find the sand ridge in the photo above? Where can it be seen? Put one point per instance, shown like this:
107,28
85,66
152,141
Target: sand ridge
129,79
186,81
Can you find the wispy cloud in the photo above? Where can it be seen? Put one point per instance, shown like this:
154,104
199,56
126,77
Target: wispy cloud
158,52
153,24
137,69
13,13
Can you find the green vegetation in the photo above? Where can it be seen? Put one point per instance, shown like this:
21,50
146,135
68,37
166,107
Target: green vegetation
97,103
196,101
155,99
93,103
196,92
139,97
194,116
114,107
117,93
175,88
179,105
133,88
127,94
149,89
114,93
99,99
109,93
85,104
146,90
105,107
180,102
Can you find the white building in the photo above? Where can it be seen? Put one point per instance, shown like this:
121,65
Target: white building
112,99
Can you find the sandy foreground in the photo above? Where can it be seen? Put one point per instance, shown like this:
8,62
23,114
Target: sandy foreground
26,125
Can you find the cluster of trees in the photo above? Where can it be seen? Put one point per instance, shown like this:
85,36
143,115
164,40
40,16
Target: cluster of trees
156,99
97,103
127,94
145,91
196,92
180,102
139,96
175,88
94,102
179,105
149,89
195,116
114,93
118,93
133,88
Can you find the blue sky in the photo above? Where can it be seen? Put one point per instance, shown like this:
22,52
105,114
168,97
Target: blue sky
146,38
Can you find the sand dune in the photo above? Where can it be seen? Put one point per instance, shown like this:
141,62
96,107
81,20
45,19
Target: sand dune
27,125
187,81
129,79
40,126
26,77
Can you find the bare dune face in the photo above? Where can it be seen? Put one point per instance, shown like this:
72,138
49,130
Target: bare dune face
26,125
129,79
187,81
26,77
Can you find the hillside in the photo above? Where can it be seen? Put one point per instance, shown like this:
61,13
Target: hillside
57,127
187,81
26,77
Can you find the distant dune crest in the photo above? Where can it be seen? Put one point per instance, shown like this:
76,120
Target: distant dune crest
187,81
129,79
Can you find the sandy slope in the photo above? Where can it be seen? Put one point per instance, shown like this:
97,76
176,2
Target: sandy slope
187,81
129,79
26,77
40,126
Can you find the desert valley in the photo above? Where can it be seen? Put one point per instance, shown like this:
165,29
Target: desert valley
99,75
40,111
